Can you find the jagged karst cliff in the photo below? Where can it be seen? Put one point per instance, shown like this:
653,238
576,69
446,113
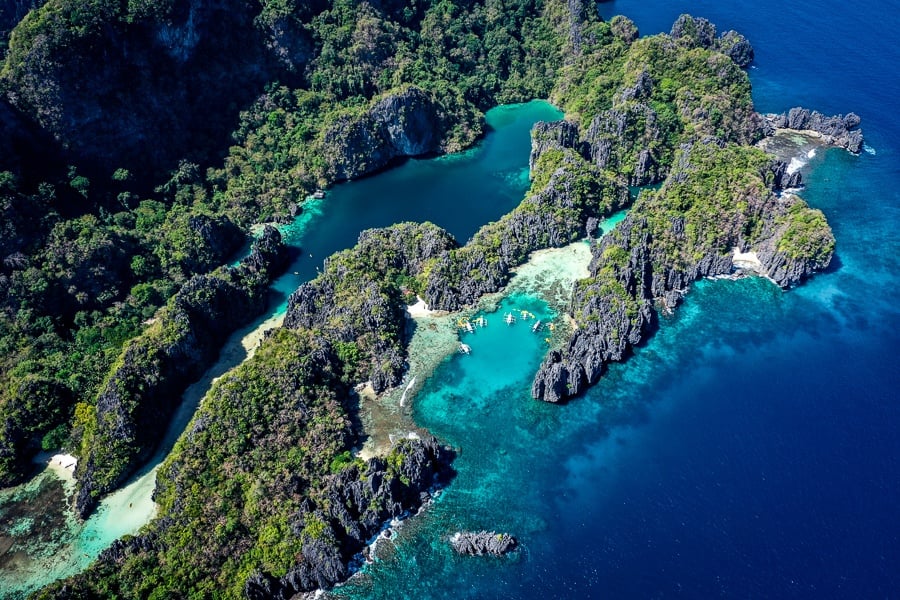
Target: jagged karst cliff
837,130
404,124
133,408
718,199
262,497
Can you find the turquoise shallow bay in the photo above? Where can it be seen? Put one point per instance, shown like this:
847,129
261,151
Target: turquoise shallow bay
748,449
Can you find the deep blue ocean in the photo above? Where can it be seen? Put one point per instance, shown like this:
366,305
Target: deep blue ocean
752,447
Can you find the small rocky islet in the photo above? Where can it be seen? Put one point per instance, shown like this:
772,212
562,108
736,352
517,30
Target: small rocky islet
262,496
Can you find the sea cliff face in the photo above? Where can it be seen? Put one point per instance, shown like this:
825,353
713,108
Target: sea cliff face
837,130
136,85
718,199
141,394
401,124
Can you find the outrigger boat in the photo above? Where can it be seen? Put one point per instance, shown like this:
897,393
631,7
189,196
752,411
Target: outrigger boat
481,321
464,348
465,324
509,318
536,327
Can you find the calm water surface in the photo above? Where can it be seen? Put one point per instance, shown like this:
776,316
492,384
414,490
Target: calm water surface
751,448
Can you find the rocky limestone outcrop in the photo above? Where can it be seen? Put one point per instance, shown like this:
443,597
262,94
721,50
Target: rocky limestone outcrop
135,405
616,139
624,29
736,47
620,139
552,217
357,504
654,255
480,543
399,125
356,300
695,32
837,130
142,85
557,135
781,178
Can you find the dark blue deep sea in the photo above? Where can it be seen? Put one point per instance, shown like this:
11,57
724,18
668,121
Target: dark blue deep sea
750,449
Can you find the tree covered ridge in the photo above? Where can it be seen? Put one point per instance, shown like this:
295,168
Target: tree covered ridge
91,252
262,492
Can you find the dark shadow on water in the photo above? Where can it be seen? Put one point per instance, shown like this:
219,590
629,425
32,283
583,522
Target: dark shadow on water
835,265
352,406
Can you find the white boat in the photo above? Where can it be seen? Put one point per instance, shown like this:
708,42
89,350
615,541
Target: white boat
536,327
465,348
510,319
481,321
469,327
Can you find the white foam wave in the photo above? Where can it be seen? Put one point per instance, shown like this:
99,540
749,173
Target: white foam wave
868,149
795,165
811,153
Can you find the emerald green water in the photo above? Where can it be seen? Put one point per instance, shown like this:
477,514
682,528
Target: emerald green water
459,192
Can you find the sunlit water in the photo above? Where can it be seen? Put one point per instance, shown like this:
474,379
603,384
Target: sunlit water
459,192
750,448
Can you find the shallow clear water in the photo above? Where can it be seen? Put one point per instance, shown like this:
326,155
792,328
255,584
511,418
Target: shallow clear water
459,192
750,448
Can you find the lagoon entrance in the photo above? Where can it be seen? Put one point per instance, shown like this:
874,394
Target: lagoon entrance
459,192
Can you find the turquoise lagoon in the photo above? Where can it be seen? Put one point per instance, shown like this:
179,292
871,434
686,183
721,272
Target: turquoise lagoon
750,447
458,192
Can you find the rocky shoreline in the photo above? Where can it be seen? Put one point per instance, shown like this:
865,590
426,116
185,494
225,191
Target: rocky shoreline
838,130
651,259
480,543
135,406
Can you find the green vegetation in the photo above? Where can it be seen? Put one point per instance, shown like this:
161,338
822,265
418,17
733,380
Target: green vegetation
649,95
76,288
111,280
807,236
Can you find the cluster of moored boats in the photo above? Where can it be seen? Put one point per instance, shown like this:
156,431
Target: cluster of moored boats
509,318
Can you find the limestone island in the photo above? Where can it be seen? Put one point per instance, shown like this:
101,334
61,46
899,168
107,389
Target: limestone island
118,293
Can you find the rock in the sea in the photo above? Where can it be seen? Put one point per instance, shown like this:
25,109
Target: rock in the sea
736,46
479,543
837,130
